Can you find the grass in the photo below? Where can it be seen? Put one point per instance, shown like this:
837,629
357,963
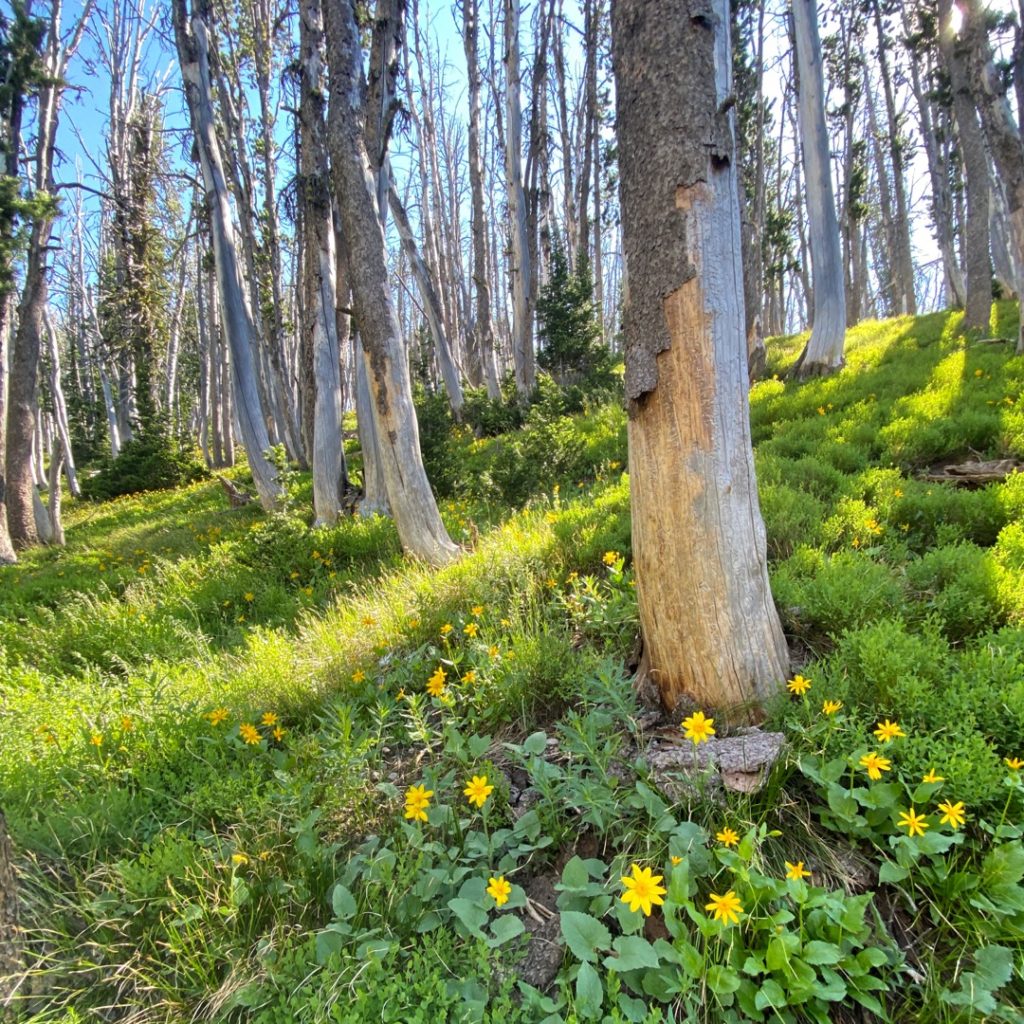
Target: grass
172,871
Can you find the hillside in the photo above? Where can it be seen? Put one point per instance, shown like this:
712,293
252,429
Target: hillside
212,719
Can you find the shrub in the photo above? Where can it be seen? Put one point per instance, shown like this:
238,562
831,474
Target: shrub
153,460
958,584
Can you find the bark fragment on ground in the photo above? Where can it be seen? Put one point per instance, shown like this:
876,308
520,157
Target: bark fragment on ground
740,763
974,473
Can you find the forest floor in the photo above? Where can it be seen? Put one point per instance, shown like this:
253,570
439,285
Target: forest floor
210,721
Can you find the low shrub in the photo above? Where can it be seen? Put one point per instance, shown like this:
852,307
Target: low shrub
150,461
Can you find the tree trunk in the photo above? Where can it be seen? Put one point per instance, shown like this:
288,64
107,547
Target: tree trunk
193,42
1002,133
522,320
328,459
711,631
7,555
976,243
412,503
431,304
824,351
483,325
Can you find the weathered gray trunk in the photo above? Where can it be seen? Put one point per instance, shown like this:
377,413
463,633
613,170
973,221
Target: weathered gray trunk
971,139
60,408
193,42
711,631
824,351
431,304
483,325
1001,131
519,269
1005,258
7,554
415,511
328,459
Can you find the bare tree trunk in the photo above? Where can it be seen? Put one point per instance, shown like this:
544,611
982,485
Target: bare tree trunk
60,408
711,631
193,41
431,304
10,952
328,458
1001,131
824,351
483,325
522,319
7,555
978,306
412,503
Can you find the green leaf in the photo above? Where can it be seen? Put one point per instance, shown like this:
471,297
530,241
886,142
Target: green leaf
575,874
890,872
994,968
584,935
343,902
478,746
535,743
722,980
770,996
632,1009
589,993
633,952
817,952
472,916
328,942
505,928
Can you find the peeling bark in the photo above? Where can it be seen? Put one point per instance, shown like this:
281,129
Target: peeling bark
711,631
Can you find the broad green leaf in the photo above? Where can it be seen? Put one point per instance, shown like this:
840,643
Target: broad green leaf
505,928
817,952
343,902
589,993
470,913
535,743
770,996
633,952
584,935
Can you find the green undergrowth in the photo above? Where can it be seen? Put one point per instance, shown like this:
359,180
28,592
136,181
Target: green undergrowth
211,720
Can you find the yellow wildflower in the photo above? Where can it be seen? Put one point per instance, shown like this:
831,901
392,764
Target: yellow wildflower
727,837
471,629
477,790
797,871
96,739
435,684
932,776
127,725
358,676
875,764
1014,763
369,620
278,733
610,557
249,596
417,800
239,859
499,890
269,718
952,814
725,908
643,891
218,715
830,707
469,677
675,860
887,731
698,728
477,610
798,685
493,650
914,823
249,733
446,629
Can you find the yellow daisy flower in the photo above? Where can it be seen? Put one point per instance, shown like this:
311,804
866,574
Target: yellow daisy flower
643,891
798,685
875,764
477,790
417,800
796,871
932,776
697,728
725,908
727,837
830,707
249,733
914,823
887,731
499,890
952,814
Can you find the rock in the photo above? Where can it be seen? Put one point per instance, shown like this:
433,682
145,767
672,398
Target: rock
544,954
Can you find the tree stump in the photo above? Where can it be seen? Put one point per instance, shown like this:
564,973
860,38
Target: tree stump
237,497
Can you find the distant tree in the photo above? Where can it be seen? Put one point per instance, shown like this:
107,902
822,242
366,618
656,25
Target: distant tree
711,631
569,330
823,353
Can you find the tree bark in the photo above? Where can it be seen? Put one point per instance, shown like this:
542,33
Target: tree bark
824,351
1001,131
328,458
483,326
193,51
711,631
519,269
976,242
10,954
415,511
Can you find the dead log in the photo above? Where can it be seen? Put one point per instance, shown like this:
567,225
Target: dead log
237,497
974,473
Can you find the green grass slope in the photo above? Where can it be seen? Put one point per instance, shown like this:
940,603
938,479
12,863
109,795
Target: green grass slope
210,719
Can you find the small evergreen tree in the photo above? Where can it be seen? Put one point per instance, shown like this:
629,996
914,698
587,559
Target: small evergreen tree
570,334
